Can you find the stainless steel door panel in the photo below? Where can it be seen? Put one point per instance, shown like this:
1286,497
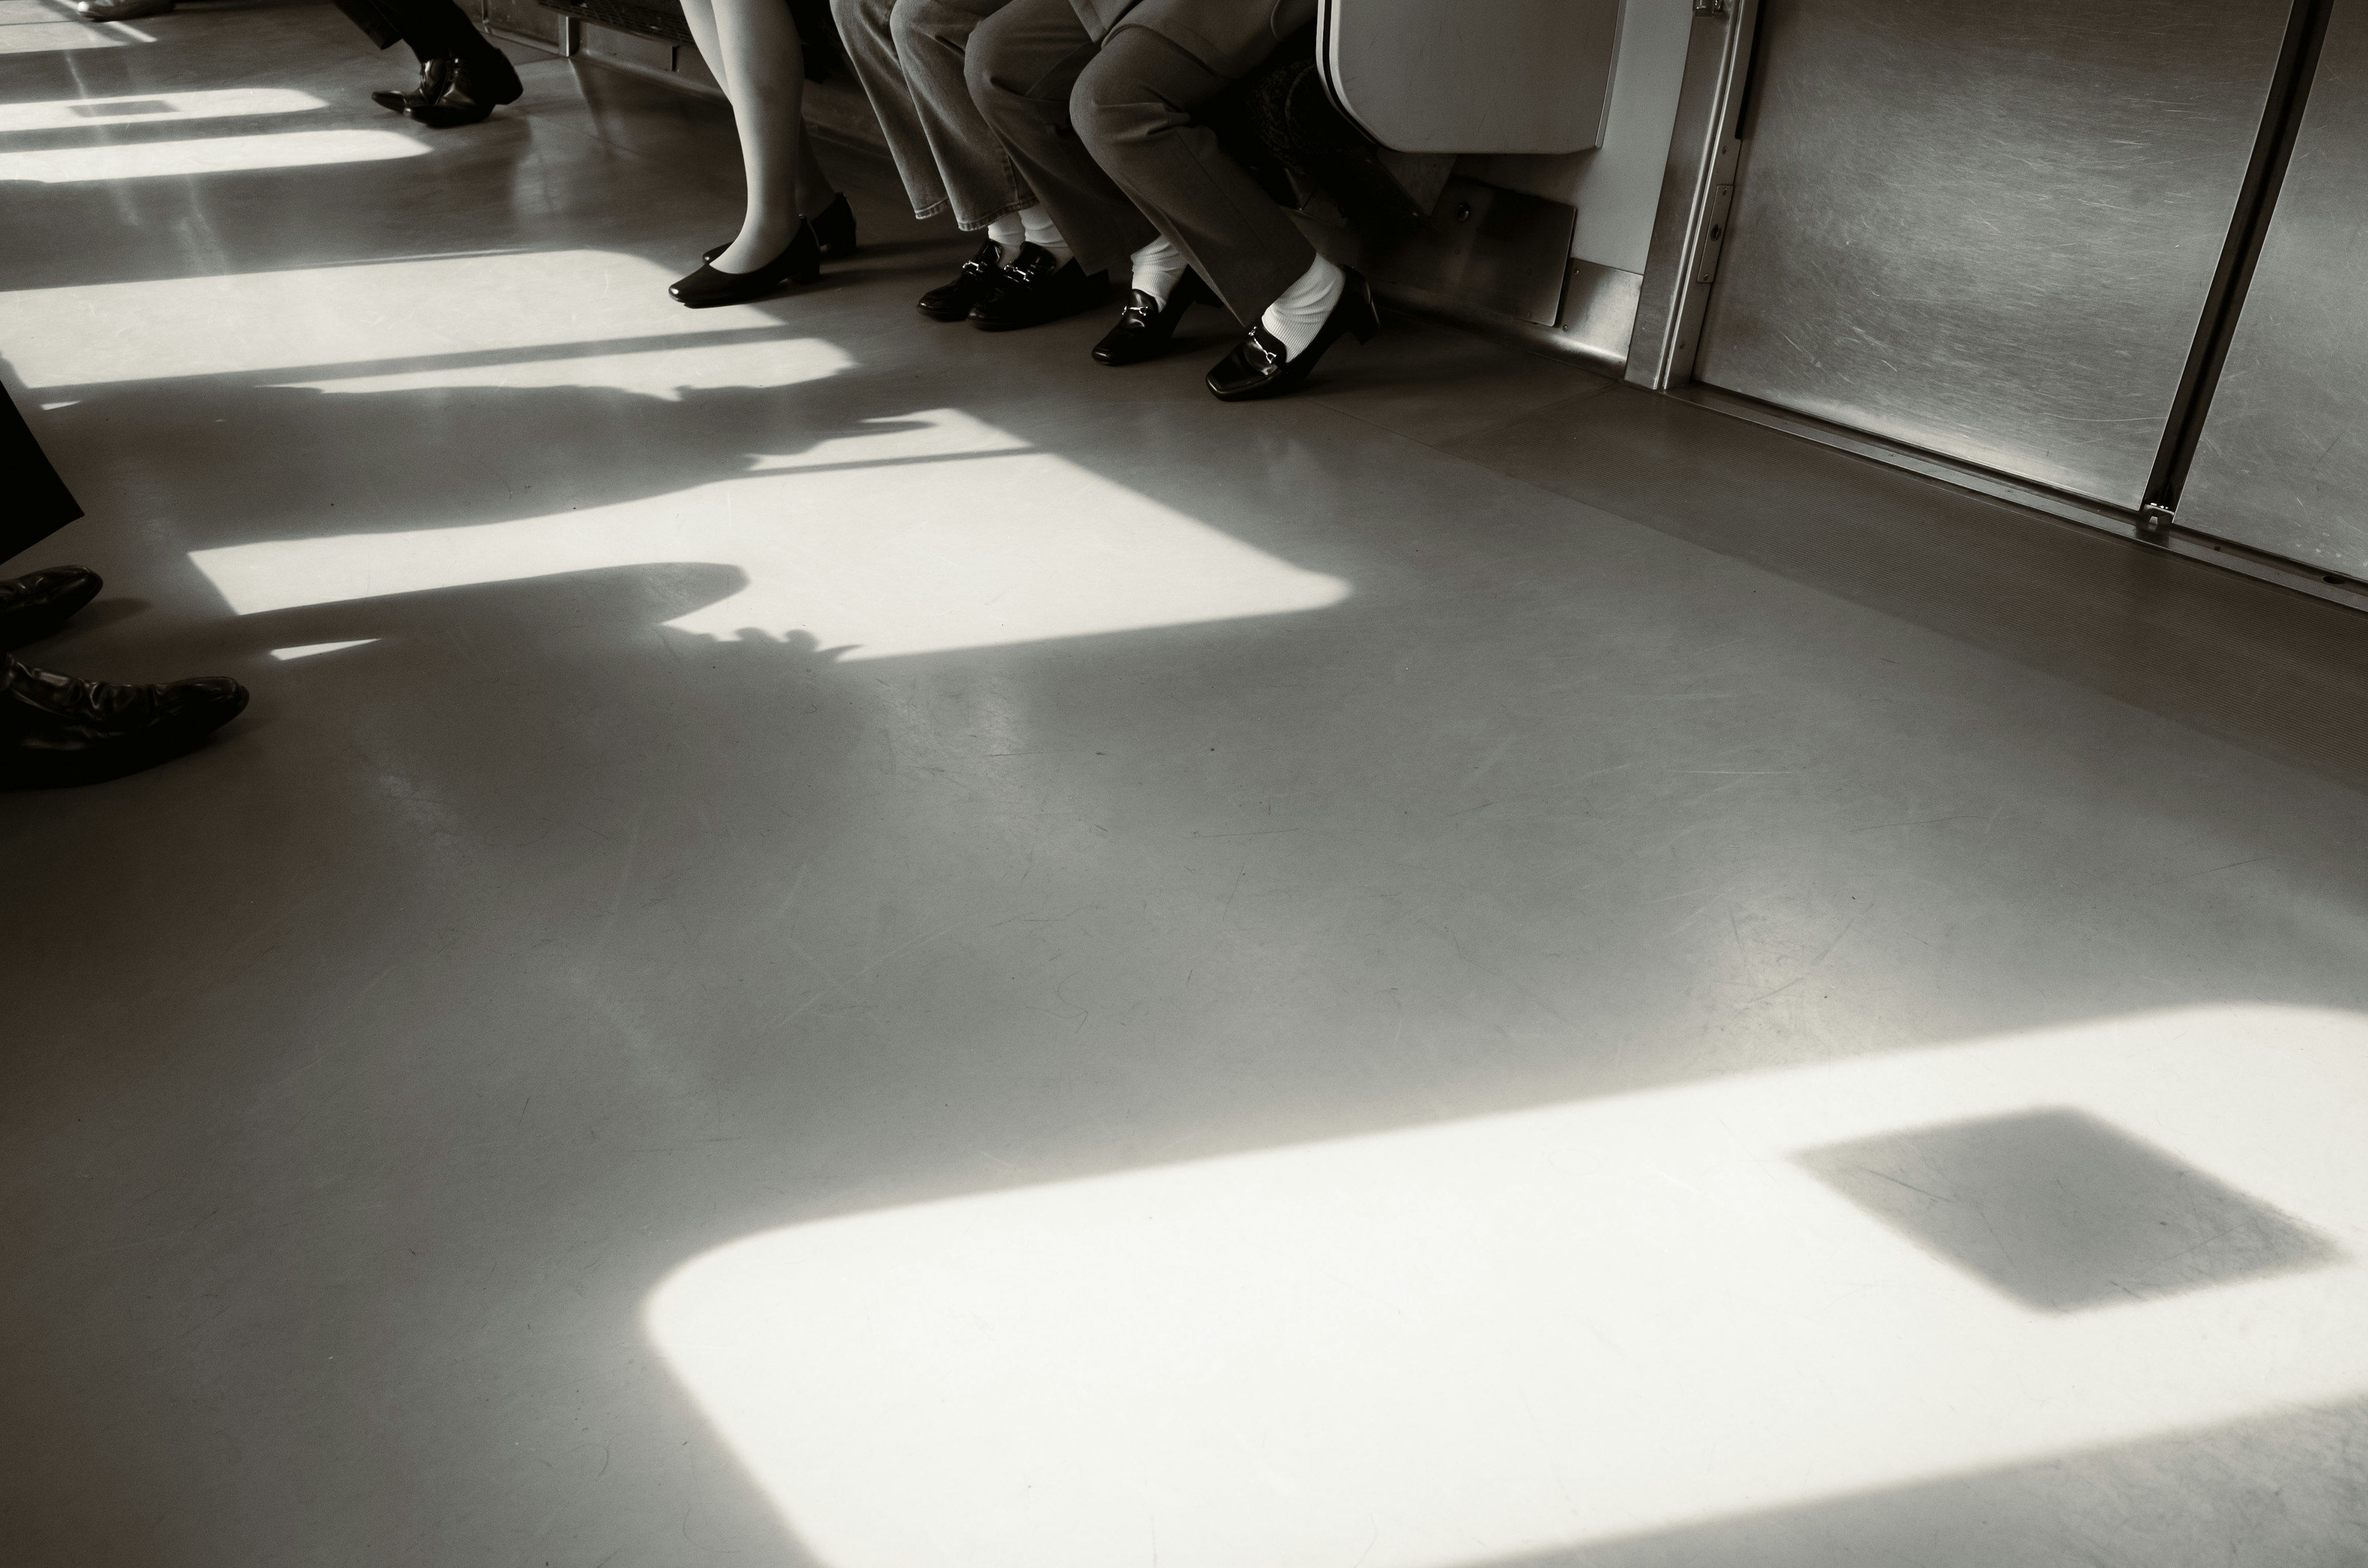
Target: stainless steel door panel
2282,464
1990,230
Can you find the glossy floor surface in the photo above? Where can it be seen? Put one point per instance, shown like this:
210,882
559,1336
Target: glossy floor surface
839,942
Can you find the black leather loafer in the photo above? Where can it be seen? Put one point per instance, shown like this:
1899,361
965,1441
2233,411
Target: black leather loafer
37,604
480,84
55,730
1035,289
435,80
1257,366
800,261
834,232
981,276
1145,327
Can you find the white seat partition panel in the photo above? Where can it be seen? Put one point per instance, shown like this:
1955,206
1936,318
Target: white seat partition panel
1472,75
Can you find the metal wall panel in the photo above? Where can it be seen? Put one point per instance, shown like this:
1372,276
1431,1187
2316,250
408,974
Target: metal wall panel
2282,464
1989,230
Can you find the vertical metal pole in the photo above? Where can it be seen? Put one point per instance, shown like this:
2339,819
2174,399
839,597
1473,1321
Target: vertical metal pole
1697,194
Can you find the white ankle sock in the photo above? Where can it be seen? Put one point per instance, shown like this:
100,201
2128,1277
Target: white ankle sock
1006,232
1157,265
1043,234
1296,317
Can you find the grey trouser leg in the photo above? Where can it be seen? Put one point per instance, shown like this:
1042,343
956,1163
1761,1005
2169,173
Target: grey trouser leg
932,42
864,28
1023,62
1132,105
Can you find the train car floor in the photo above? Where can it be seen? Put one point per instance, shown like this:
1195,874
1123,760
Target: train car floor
842,942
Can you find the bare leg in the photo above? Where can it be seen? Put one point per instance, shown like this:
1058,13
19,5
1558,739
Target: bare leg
753,48
701,15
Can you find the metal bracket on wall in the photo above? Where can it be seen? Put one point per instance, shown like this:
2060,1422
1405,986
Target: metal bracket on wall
1697,194
2154,523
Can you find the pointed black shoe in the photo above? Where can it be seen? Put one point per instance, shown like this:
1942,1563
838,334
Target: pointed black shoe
37,604
55,730
1257,368
1035,288
980,277
435,80
834,232
800,261
1145,327
480,84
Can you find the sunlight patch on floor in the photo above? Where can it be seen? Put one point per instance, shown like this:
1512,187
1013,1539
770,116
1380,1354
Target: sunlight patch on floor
309,650
147,108
341,322
207,156
664,373
1479,1341
937,531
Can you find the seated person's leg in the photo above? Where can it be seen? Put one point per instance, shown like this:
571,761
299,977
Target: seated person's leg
864,30
1021,64
462,77
932,42
1133,108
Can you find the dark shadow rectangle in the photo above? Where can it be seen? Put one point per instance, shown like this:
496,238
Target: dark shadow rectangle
2064,1212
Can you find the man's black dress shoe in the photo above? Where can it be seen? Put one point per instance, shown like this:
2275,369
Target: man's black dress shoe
834,232
37,604
435,78
800,261
56,730
480,83
1258,367
1034,289
1146,326
980,277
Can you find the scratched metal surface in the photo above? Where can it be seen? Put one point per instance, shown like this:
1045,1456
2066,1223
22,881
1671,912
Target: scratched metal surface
1988,231
2283,461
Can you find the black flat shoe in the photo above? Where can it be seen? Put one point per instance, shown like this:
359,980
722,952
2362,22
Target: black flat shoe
1034,289
834,232
1258,367
980,277
435,80
800,261
479,86
1145,326
37,604
55,730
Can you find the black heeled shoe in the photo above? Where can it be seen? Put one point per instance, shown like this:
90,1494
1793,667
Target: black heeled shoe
1145,327
478,86
833,230
1259,366
435,80
800,261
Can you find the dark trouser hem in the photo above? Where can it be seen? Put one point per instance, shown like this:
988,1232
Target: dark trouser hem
1133,110
1023,63
38,502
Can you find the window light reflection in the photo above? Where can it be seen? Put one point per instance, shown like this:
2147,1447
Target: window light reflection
147,108
206,155
349,317
935,531
1485,1340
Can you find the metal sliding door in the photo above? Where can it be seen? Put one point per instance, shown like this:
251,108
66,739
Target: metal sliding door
2282,462
1989,230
